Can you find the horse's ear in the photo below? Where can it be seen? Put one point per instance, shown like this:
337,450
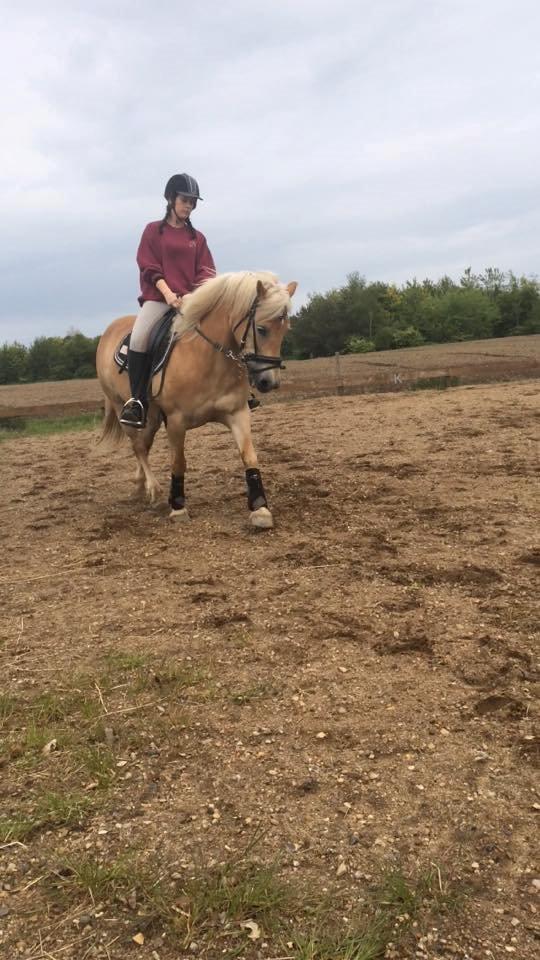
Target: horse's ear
261,289
291,287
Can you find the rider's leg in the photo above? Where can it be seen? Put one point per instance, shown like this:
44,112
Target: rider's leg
139,363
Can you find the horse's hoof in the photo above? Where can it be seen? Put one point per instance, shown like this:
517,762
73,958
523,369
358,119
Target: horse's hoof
179,514
262,518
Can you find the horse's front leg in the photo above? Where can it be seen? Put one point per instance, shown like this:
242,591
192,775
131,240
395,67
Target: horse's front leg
240,426
141,441
176,433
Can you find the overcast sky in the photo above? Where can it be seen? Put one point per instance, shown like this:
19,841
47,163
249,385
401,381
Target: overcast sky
398,138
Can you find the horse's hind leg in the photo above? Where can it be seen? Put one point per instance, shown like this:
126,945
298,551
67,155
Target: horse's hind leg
239,424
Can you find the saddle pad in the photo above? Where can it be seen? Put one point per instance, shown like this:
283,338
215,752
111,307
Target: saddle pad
159,347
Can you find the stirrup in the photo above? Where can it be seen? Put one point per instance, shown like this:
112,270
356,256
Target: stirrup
253,403
133,414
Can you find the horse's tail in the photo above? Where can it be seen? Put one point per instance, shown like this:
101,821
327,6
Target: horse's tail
111,427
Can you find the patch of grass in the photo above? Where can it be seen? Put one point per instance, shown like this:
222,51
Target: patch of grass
218,901
51,810
169,679
48,707
166,677
11,427
238,636
369,944
52,707
51,710
61,809
78,877
15,829
7,707
35,738
396,903
396,893
98,763
77,714
212,906
259,691
65,718
435,383
121,660
237,893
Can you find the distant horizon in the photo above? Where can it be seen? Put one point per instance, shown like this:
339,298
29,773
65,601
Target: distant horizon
73,328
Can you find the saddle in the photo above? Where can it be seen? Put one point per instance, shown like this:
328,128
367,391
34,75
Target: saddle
159,347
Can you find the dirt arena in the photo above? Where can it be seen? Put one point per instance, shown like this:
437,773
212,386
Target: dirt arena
349,695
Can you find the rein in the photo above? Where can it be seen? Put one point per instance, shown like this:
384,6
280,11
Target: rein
241,358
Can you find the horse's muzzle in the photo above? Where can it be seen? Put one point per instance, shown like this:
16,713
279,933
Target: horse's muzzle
264,372
265,384
265,381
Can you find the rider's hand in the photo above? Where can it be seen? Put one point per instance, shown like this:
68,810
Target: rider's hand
173,300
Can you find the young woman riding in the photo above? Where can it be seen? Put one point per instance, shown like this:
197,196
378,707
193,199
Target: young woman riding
173,259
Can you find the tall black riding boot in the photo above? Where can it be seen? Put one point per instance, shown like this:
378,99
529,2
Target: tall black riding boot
139,369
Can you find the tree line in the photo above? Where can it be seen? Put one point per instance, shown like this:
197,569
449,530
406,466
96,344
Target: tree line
49,358
361,316
356,318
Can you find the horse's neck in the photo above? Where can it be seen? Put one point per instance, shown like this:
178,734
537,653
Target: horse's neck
217,326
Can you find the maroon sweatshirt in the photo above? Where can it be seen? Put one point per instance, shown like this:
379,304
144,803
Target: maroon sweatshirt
176,256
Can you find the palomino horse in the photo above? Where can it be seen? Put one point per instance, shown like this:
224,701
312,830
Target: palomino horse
214,358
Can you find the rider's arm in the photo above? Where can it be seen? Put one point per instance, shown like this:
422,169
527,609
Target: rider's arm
171,298
205,266
149,255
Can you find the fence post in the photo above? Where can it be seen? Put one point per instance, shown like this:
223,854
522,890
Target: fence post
340,387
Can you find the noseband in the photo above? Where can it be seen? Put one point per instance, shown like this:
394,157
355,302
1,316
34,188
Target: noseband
242,358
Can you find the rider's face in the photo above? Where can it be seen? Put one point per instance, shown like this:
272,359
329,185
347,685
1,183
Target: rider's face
183,206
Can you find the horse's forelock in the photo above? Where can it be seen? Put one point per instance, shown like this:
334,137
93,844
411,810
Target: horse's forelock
276,299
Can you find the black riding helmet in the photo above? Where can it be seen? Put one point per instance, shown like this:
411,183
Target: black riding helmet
184,184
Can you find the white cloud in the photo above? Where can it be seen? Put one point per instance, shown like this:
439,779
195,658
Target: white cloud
397,139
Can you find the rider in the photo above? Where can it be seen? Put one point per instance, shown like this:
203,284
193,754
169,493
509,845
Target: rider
173,259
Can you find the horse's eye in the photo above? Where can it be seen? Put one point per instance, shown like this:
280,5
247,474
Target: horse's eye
262,331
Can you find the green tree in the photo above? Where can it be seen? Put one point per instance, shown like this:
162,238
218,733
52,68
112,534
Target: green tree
519,305
13,363
41,358
466,314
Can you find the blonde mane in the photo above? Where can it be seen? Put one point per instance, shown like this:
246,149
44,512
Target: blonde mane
235,293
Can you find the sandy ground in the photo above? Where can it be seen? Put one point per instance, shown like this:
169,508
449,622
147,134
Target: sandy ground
367,668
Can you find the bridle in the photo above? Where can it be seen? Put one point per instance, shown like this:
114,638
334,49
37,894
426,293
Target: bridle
242,358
